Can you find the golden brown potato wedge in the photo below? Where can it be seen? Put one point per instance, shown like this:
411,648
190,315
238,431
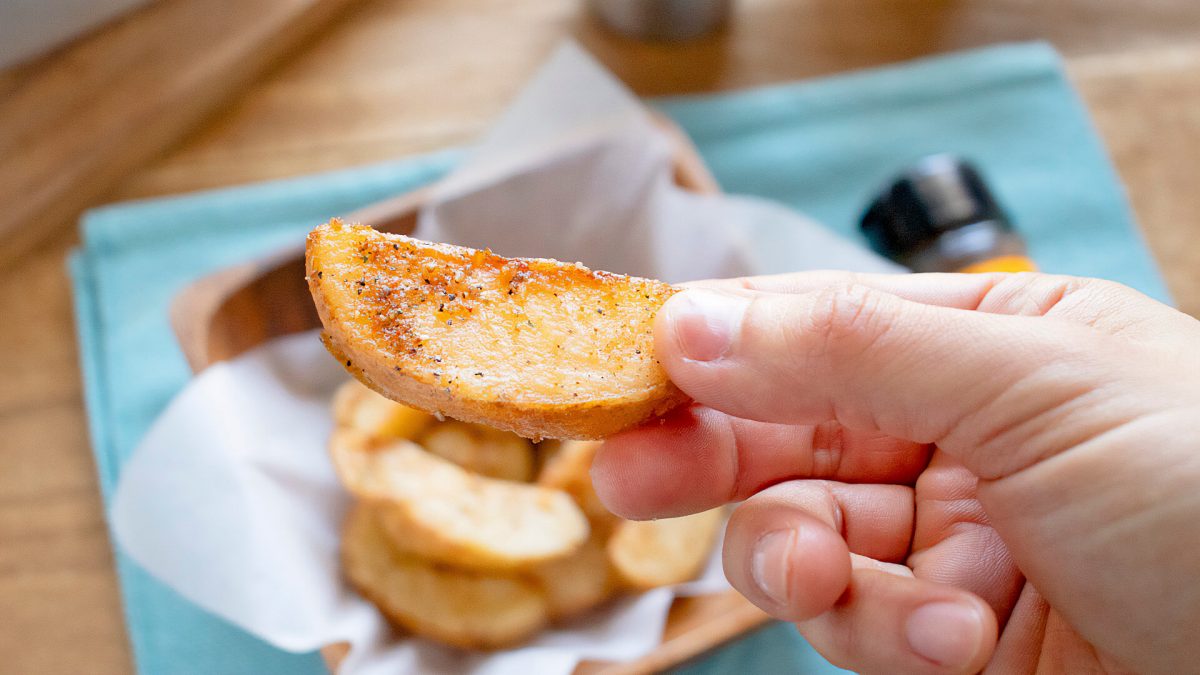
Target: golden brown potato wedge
433,507
651,553
538,347
482,450
578,582
567,469
358,407
458,607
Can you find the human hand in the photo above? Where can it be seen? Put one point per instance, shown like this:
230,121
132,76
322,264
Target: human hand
940,473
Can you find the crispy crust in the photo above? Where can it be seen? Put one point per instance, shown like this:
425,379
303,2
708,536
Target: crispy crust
538,347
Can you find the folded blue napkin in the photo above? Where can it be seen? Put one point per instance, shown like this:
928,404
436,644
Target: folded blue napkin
821,146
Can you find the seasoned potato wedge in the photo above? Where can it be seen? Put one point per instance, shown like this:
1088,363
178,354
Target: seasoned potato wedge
567,469
578,582
357,407
482,450
459,607
432,507
539,347
651,553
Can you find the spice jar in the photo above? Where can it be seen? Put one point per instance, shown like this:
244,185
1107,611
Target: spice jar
940,216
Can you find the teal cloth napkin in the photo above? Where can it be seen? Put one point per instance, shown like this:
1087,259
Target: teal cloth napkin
821,146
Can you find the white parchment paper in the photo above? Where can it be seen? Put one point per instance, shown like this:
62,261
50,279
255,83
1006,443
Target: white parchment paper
231,500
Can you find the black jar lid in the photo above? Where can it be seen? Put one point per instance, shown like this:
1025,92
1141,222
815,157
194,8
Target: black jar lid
938,194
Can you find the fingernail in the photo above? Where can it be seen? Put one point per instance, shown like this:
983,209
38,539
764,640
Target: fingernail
705,322
946,633
770,564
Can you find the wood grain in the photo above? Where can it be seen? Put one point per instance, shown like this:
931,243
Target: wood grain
402,76
370,91
1147,108
73,125
58,593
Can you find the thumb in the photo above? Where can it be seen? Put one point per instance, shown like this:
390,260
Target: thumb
874,361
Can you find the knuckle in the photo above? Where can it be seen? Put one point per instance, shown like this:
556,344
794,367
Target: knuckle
829,499
847,320
828,449
1105,305
1109,294
746,283
1025,279
1034,294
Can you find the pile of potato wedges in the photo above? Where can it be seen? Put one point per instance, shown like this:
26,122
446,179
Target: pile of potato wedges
479,538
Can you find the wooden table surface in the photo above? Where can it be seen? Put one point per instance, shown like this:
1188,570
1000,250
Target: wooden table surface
397,77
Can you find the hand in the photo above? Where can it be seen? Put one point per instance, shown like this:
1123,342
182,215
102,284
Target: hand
939,473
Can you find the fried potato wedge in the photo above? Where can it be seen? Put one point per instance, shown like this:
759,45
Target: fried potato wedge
538,347
568,469
458,607
651,553
578,582
357,407
432,507
482,450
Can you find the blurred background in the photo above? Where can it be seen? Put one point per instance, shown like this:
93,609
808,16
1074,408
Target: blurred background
113,100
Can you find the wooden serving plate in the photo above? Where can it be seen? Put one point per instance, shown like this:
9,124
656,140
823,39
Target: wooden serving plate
224,314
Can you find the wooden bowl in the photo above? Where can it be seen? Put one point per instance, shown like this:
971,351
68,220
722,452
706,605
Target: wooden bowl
224,314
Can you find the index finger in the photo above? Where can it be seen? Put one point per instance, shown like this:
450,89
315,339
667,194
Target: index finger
1102,304
698,458
960,291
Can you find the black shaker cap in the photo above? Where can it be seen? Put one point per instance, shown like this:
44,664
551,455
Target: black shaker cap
938,194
